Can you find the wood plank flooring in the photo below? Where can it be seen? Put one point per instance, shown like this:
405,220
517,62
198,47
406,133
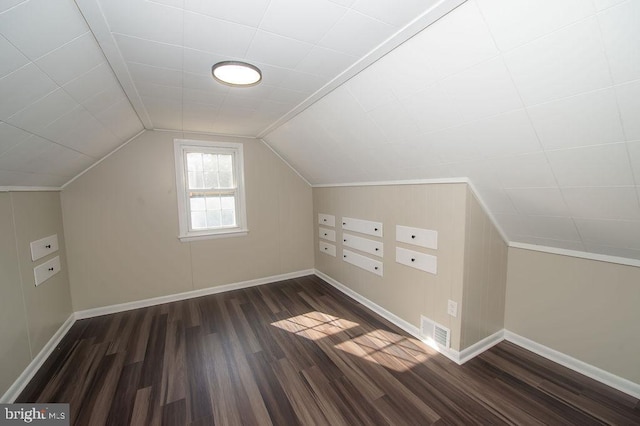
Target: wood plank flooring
300,352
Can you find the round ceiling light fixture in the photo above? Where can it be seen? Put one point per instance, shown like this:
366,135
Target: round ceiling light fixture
236,73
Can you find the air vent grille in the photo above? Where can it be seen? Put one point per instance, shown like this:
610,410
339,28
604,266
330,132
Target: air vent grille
435,332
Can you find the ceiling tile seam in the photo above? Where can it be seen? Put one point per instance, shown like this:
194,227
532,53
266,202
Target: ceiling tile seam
118,148
597,145
44,138
231,57
160,68
541,145
636,179
83,106
456,74
14,6
54,50
58,87
373,18
374,123
611,6
96,21
488,27
36,173
393,41
215,18
477,120
578,254
629,221
538,38
346,9
579,217
253,36
577,95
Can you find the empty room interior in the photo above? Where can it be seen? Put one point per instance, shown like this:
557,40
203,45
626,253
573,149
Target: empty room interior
321,211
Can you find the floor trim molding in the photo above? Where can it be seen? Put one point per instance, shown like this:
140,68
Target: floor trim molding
481,346
27,374
389,316
476,349
461,357
144,303
576,365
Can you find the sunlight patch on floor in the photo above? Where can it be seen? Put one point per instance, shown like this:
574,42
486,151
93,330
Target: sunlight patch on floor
390,350
315,325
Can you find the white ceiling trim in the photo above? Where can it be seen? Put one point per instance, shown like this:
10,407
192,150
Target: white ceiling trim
29,189
92,13
395,182
212,134
487,211
580,254
286,162
414,27
429,182
102,159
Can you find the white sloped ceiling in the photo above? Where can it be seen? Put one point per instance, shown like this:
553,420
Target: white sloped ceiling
537,103
61,107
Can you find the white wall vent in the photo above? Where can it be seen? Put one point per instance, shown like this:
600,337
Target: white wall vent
434,332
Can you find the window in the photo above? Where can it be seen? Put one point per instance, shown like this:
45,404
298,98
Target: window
210,187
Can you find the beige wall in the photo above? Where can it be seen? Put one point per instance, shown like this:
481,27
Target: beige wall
583,308
29,315
121,223
485,276
404,291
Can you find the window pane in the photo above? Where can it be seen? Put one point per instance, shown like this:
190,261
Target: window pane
225,162
228,218
194,162
213,219
226,180
196,180
198,220
197,204
228,203
211,180
213,203
210,162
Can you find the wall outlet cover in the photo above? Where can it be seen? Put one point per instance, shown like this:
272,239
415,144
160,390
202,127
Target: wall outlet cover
452,308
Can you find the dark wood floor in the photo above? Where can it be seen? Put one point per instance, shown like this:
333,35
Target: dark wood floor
300,352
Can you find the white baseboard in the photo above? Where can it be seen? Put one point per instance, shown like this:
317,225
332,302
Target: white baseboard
461,357
21,382
18,386
476,349
121,307
457,357
574,364
481,346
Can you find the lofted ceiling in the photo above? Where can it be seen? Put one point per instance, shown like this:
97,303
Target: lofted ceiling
536,103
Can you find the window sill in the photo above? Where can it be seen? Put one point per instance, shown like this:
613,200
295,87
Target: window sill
223,234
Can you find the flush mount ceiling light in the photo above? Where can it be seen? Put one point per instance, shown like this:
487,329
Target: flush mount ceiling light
236,74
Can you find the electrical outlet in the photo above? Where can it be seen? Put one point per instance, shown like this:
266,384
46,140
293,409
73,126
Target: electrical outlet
452,308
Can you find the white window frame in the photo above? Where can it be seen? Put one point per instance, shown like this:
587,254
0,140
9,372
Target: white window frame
183,146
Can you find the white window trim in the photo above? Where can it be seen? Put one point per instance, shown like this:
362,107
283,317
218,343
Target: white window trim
185,235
